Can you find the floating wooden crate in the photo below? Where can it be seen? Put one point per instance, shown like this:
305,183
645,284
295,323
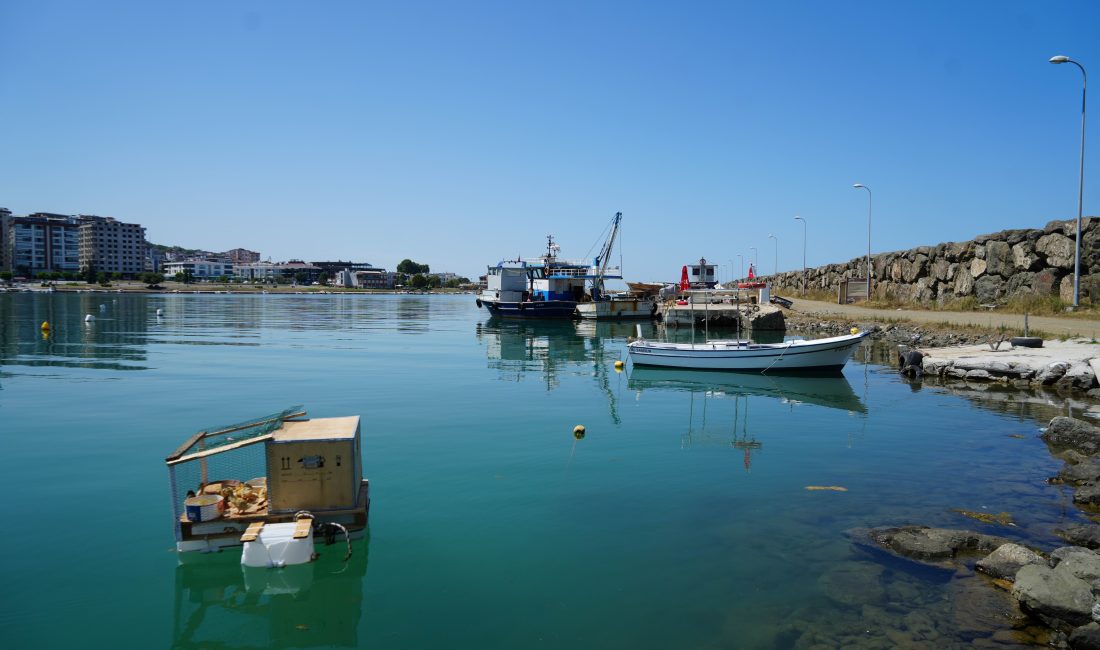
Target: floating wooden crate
314,465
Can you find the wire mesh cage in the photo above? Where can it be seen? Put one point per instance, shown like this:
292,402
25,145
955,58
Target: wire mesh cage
225,462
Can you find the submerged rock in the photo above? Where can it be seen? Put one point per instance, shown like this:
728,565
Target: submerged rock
1086,637
1007,560
1086,471
1086,535
934,545
854,583
1081,562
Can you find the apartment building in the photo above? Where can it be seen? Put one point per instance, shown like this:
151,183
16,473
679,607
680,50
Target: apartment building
200,269
241,256
110,246
39,242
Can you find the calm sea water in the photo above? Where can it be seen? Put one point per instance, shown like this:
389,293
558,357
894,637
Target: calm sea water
679,520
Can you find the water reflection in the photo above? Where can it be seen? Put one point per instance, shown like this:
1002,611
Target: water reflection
219,604
830,392
115,340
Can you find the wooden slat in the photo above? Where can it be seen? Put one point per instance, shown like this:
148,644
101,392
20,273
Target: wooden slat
253,531
301,528
185,446
257,423
217,450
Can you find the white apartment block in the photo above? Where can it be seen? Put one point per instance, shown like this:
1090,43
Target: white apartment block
111,246
199,269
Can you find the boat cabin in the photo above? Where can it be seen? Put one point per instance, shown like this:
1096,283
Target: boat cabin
702,275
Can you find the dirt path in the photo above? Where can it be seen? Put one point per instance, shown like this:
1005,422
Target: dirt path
1048,324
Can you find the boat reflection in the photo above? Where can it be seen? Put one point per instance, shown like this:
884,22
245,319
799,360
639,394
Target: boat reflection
220,604
828,391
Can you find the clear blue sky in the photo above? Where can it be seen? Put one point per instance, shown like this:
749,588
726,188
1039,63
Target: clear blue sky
460,133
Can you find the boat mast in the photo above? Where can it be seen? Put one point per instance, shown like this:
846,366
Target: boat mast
605,257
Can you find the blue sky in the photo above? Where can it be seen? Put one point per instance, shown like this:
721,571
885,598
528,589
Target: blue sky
458,134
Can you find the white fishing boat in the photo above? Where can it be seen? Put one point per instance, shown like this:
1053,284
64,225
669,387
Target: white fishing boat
817,355
598,304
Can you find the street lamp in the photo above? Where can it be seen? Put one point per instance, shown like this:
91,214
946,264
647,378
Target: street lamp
741,261
803,253
776,270
1080,182
857,186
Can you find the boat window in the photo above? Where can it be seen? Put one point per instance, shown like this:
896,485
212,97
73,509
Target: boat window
536,273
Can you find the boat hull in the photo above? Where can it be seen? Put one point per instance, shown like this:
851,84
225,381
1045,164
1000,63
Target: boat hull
531,309
618,309
821,355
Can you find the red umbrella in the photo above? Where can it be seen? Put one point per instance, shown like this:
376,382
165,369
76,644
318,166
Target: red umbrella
684,284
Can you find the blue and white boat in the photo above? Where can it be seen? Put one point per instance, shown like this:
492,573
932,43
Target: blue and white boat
547,286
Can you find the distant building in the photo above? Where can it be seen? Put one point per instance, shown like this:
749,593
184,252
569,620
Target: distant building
5,215
200,269
375,278
154,259
241,256
292,271
332,268
444,278
39,242
111,246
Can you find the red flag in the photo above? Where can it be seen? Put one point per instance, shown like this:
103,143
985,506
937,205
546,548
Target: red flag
751,274
684,284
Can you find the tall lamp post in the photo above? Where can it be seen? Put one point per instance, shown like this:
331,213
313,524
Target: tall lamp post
1080,182
857,186
803,253
741,261
775,271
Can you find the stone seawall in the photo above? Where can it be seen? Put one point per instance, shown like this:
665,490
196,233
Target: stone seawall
992,268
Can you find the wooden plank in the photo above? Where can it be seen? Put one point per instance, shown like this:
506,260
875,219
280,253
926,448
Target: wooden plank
217,450
301,528
185,446
253,531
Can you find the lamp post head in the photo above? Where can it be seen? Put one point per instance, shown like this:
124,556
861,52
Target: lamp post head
800,219
858,185
1059,59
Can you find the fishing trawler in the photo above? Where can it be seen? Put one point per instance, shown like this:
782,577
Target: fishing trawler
552,287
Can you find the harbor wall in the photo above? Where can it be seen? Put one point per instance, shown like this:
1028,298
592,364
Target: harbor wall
992,268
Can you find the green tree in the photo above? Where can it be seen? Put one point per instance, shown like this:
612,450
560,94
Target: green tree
301,277
6,276
418,281
408,267
90,274
223,279
151,280
116,276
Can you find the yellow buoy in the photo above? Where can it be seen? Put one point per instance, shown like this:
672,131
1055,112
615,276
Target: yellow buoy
578,431
45,326
619,365
855,330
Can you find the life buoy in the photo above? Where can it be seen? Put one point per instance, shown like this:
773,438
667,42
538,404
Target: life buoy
477,301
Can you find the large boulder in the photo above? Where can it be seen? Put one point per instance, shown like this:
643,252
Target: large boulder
768,318
1086,637
1052,372
1046,282
977,267
1086,535
1068,433
940,269
989,288
1081,562
1054,596
1020,283
998,259
1079,376
1087,471
955,252
1024,257
918,268
964,282
854,583
1057,249
1007,560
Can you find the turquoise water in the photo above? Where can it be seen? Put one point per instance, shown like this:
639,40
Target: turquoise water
679,520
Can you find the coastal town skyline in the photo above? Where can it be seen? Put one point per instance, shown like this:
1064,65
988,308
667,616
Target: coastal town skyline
462,136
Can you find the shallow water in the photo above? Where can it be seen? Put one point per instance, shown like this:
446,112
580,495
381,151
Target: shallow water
679,520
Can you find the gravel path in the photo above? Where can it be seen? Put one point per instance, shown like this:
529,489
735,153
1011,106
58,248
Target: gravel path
1049,324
